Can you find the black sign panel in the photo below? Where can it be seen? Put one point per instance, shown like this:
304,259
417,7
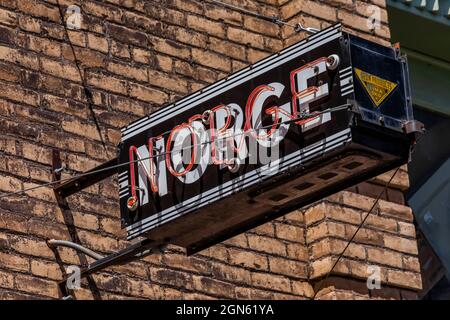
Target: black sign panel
214,152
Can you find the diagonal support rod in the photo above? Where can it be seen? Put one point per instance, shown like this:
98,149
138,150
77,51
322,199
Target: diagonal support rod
135,251
75,185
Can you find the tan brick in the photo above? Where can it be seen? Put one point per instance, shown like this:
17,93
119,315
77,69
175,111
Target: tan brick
10,74
316,232
120,50
273,45
82,129
286,267
46,270
206,25
252,293
18,57
111,225
366,236
319,10
411,263
107,83
58,69
337,229
248,259
385,257
80,163
254,55
357,201
36,153
261,26
42,193
226,48
405,279
77,38
142,55
8,17
244,37
395,210
85,220
289,232
39,9
406,229
237,65
315,213
323,266
43,45
212,286
62,141
161,80
8,145
210,59
164,63
97,42
14,262
266,229
127,71
222,14
400,244
87,58
10,184
148,94
29,24
188,5
189,37
272,282
170,47
344,214
6,280
134,268
401,178
38,286
266,244
297,252
230,273
296,217
173,278
103,11
18,167
30,247
98,242
13,222
365,9
381,223
302,288
238,241
217,252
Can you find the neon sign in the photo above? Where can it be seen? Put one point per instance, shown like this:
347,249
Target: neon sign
281,133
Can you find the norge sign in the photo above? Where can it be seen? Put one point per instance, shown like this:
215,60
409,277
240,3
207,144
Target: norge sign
319,116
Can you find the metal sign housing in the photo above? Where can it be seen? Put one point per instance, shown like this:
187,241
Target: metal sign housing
300,124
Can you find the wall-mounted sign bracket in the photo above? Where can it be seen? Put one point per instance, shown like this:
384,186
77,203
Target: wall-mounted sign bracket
83,181
137,250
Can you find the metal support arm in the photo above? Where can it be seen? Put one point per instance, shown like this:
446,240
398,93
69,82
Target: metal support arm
135,251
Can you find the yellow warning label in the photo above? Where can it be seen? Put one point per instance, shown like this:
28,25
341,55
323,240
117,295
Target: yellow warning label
377,88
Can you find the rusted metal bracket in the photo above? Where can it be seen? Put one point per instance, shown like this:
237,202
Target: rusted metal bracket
414,126
77,184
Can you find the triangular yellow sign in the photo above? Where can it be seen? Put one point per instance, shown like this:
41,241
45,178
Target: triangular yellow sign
377,88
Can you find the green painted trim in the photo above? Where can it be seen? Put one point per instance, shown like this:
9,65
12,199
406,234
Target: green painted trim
427,59
413,8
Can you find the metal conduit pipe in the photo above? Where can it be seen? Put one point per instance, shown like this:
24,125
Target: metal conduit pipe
52,243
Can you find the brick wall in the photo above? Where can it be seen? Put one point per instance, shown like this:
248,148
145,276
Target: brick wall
128,53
